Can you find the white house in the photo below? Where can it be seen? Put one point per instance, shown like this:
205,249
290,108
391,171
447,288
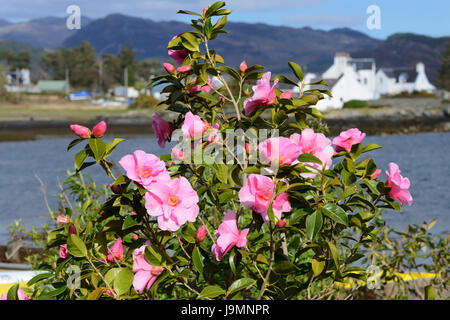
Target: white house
358,79
397,80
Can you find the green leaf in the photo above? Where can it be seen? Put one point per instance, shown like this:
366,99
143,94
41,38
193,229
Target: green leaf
317,266
297,70
306,157
220,23
73,143
80,157
286,80
284,267
206,95
230,71
335,213
189,13
211,292
123,281
12,292
213,8
334,253
76,246
221,172
96,294
370,147
129,222
313,224
198,260
98,147
429,292
271,214
112,145
38,278
190,41
239,285
154,255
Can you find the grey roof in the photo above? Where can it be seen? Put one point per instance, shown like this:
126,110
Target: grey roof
331,82
363,63
410,73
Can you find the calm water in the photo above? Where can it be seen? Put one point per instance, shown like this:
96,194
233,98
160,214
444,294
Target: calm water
424,158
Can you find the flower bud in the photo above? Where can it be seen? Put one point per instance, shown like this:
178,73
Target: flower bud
63,219
169,68
80,131
63,251
248,148
116,251
375,174
184,68
135,236
204,10
72,229
286,95
281,223
115,189
201,234
99,130
243,66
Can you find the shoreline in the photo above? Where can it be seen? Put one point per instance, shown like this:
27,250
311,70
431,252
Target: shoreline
31,129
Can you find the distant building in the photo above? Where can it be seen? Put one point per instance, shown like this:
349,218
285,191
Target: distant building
18,77
53,86
128,92
358,79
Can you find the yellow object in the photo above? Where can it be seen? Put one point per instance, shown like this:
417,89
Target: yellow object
4,287
349,283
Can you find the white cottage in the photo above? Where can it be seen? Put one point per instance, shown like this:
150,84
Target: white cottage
358,79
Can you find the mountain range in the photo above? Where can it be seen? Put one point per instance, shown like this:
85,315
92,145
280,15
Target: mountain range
272,46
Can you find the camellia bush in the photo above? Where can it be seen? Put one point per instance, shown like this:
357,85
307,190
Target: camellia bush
251,204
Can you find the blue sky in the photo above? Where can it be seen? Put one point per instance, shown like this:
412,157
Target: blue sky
424,17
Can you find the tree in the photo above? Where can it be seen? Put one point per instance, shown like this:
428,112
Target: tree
444,73
127,59
81,63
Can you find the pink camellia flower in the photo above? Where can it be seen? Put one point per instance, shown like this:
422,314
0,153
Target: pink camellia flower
20,295
145,274
316,144
375,174
174,202
206,88
228,236
257,194
63,251
201,234
213,131
193,126
72,229
399,185
243,66
347,139
279,150
81,131
178,55
169,67
286,95
178,153
63,219
99,130
144,168
184,68
162,129
264,94
281,223
116,251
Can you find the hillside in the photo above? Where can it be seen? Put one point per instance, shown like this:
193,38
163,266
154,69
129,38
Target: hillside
47,32
257,43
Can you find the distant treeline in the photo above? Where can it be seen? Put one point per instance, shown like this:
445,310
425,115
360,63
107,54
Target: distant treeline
84,69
